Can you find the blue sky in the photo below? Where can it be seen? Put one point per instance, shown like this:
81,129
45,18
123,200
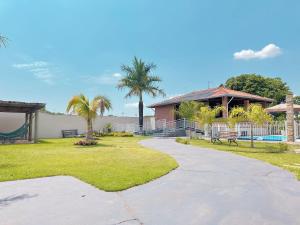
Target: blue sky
60,48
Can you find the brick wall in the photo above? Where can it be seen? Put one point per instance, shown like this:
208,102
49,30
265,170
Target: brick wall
165,112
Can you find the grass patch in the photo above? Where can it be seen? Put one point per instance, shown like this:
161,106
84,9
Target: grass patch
278,154
114,164
183,141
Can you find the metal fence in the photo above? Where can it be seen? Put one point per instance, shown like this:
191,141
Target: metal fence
177,124
267,132
275,131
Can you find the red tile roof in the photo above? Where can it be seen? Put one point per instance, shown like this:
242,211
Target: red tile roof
209,94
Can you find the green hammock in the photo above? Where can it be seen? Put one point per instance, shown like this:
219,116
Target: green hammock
17,134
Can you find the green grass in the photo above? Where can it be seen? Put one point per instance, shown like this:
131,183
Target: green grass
272,153
116,163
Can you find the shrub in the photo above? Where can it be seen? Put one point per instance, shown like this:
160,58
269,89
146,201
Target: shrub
108,128
122,134
183,141
117,134
283,147
86,143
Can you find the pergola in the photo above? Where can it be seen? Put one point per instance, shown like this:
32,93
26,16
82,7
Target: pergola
282,108
31,112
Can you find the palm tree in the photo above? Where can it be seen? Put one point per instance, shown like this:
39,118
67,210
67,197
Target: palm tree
188,110
255,114
207,116
3,41
81,105
139,81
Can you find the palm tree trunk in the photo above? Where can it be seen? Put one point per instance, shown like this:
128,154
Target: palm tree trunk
89,135
211,133
251,134
141,113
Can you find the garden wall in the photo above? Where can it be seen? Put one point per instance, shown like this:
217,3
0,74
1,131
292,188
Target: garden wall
50,126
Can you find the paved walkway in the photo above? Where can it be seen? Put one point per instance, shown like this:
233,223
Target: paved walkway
210,187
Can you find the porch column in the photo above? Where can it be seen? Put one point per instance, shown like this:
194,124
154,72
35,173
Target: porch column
264,105
36,119
26,121
30,127
290,117
246,104
225,105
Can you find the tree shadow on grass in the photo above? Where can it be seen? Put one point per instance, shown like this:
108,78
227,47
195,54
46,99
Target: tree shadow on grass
14,198
248,149
6,165
44,142
93,146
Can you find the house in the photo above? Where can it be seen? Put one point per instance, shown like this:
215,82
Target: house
228,98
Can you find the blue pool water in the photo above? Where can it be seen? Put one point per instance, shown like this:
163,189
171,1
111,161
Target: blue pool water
265,138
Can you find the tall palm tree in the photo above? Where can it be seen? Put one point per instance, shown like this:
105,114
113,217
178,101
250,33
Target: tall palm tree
3,41
81,105
139,81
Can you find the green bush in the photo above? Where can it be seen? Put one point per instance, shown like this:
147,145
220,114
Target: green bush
116,134
183,141
283,147
85,142
108,128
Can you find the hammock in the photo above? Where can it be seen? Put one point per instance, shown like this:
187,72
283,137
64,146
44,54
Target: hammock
17,134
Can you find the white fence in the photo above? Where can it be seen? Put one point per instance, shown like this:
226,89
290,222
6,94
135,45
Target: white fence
275,131
177,124
268,132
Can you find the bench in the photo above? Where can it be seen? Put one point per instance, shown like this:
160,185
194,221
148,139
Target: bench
69,133
230,136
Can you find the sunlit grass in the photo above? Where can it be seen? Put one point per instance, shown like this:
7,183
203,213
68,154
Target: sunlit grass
116,163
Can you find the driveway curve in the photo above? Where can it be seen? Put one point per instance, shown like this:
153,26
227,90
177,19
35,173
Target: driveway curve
217,188
208,188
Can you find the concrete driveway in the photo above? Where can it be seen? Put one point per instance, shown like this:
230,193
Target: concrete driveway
210,187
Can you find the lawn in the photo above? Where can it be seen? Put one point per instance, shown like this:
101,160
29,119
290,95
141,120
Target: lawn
268,152
116,163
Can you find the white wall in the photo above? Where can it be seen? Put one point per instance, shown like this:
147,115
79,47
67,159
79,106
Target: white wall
50,126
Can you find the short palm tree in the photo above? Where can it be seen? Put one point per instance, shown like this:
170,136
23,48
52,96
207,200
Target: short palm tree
188,110
3,41
255,115
81,105
207,116
139,81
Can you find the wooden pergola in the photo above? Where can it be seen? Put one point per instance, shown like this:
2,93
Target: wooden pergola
31,111
283,108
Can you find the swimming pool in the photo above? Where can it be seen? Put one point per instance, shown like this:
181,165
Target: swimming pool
264,138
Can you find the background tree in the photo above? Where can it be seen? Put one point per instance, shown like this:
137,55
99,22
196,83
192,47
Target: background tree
297,100
264,86
207,116
188,110
81,105
3,41
255,115
139,81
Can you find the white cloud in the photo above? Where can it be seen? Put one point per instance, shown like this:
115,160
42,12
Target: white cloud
32,65
40,69
269,51
173,96
131,105
106,79
117,75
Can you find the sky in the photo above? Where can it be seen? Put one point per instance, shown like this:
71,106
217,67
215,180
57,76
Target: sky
60,48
